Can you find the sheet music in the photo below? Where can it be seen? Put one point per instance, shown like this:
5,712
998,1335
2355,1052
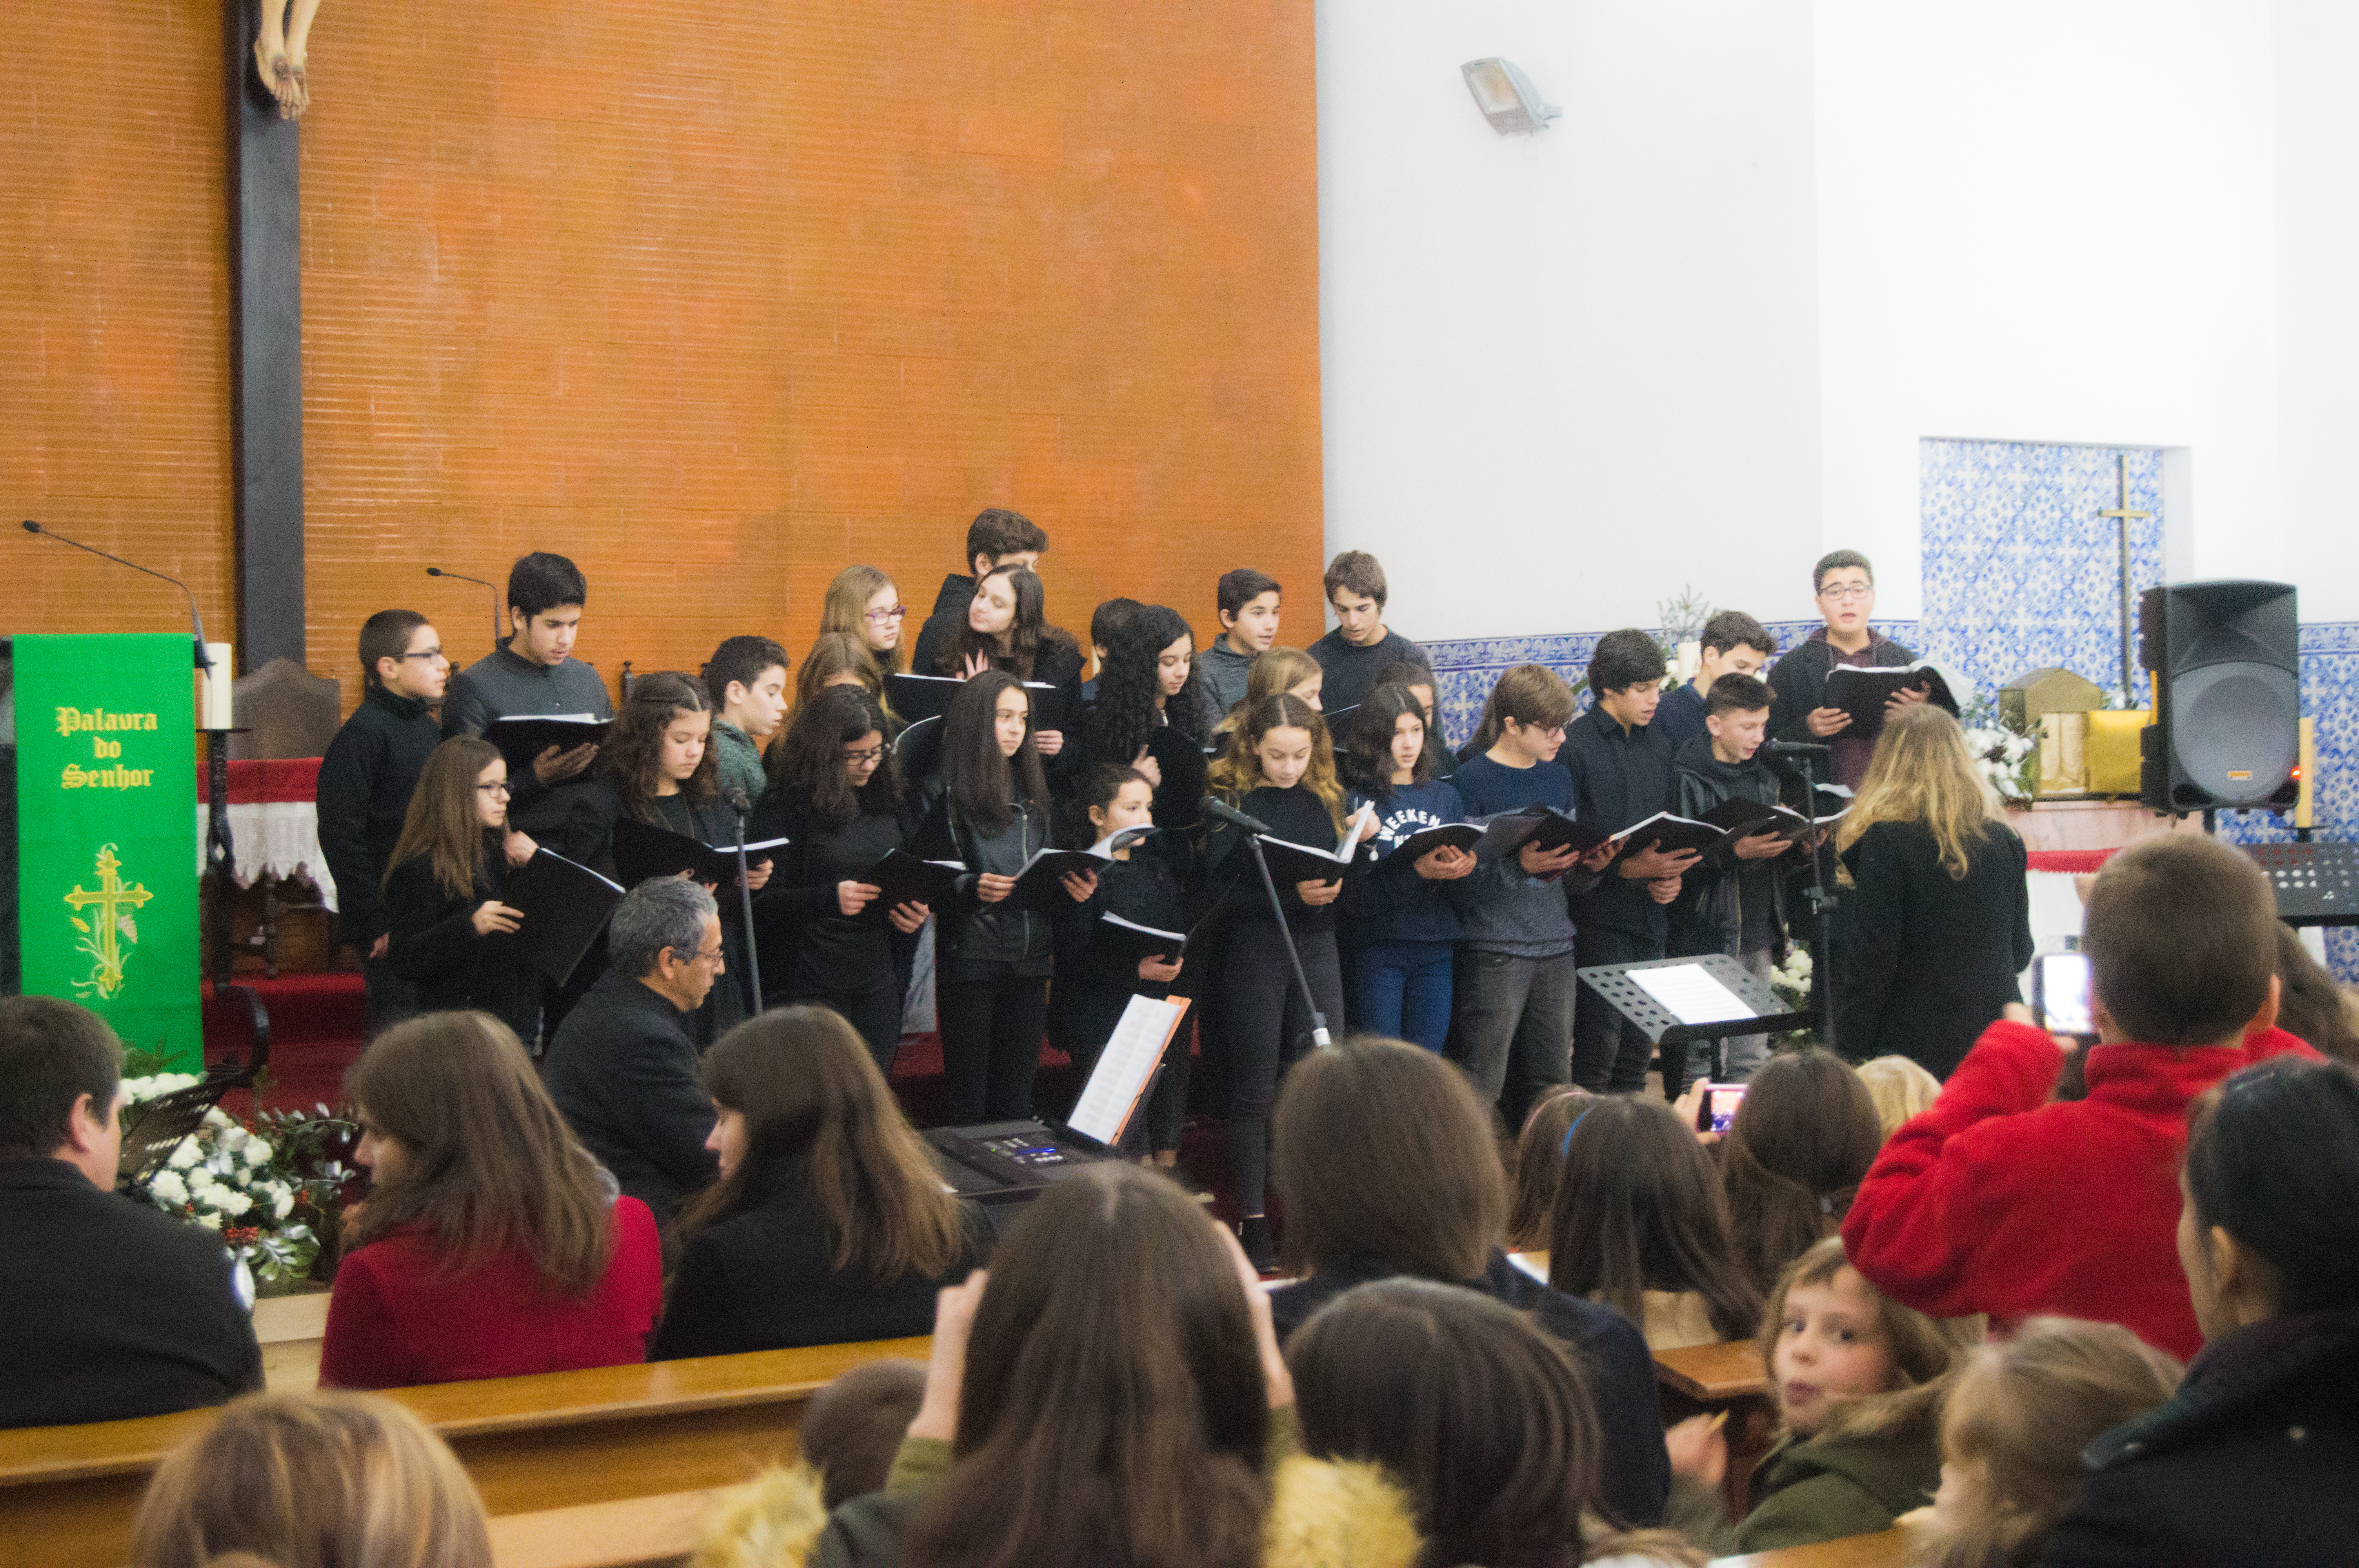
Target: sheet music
1689,993
1123,1067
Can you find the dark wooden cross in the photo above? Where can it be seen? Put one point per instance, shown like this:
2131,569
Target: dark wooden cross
265,273
2123,516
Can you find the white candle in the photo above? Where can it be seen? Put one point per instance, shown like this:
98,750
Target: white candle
218,713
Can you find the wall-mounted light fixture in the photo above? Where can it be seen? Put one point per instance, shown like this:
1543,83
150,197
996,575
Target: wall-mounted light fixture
1507,98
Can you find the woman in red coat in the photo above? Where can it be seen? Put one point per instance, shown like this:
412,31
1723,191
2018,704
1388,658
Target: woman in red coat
491,1244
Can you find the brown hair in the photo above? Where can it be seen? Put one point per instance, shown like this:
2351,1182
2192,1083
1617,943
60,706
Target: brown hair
1922,772
1539,1165
1276,672
1358,571
852,1428
1485,1421
441,823
835,654
845,610
1382,1152
1529,694
1795,1156
52,1052
2312,1005
2023,1409
1028,638
1640,1209
1925,1350
1838,560
1236,772
628,758
1900,1089
820,1118
806,761
312,1480
385,636
983,783
997,532
489,1162
1729,630
2182,938
1113,1408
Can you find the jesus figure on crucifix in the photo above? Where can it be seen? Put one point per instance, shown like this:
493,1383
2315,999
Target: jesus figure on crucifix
279,51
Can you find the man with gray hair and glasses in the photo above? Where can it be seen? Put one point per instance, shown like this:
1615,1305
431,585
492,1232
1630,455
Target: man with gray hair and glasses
623,1066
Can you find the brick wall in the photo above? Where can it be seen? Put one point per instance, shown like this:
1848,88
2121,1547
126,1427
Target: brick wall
714,299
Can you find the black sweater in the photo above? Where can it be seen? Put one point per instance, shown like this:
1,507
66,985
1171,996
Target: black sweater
622,1073
1296,815
436,947
978,941
588,833
1620,776
809,947
365,781
1726,904
507,685
1924,961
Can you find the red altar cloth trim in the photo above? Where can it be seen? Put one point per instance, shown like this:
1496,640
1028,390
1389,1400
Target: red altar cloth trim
280,780
2076,861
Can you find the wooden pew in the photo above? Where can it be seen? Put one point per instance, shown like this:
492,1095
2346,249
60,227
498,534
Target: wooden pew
1705,1379
638,1532
290,1329
559,1440
1886,1549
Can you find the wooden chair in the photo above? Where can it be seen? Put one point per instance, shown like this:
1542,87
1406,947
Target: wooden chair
556,1441
1886,1549
282,710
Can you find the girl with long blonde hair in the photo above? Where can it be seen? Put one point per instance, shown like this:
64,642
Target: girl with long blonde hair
1935,922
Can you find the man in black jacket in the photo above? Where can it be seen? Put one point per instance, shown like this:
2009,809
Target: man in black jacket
1845,585
1621,775
997,537
365,781
623,1066
108,1308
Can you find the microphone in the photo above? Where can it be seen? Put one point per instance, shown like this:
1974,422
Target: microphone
195,620
1229,813
735,798
1797,749
498,632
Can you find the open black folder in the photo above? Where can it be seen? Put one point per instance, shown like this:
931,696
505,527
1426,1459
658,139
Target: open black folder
905,879
525,737
565,906
643,851
1542,825
915,698
1863,692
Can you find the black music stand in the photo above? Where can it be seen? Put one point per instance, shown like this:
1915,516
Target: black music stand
1633,1002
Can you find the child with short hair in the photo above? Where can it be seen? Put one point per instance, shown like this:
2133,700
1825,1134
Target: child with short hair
747,678
1999,1201
2013,1429
533,672
1732,902
1361,645
854,1426
1247,601
1902,1088
1732,644
1859,1379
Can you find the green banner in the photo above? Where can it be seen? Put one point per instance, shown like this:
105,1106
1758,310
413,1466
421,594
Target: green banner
106,833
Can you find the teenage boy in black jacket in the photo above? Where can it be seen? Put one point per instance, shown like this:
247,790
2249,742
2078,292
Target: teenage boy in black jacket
1845,585
1621,775
1732,902
1361,645
1734,643
997,537
364,785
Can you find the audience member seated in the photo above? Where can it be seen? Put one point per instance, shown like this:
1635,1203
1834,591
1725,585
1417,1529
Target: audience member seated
326,1480
1999,1201
108,1308
2312,1005
853,1427
1539,1167
1111,1388
1801,1144
1641,1225
2255,1458
1859,1380
2013,1429
1483,1418
491,1244
623,1066
1385,1165
1900,1089
829,1225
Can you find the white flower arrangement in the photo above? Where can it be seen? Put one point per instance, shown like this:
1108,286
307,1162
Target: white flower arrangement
2005,754
269,1197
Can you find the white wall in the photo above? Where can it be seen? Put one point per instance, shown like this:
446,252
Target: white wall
2048,220
1553,367
2317,300
1694,332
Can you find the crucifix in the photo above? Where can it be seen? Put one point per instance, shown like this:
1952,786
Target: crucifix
2121,516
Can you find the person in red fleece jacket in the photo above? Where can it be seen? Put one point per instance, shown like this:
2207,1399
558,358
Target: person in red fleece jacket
2000,1200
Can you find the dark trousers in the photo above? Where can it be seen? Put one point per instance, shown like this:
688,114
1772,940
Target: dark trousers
1609,1052
1513,1033
390,998
1268,1029
1166,1105
1401,990
992,1032
875,1012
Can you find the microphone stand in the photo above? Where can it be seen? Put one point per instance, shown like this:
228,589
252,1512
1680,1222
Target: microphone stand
1822,901
745,901
1319,1038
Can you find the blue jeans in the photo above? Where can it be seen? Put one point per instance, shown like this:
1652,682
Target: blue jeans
1403,991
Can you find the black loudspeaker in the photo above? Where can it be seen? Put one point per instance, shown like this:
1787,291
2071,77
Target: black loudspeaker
2227,696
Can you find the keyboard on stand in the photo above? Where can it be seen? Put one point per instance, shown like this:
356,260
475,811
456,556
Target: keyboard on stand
2316,885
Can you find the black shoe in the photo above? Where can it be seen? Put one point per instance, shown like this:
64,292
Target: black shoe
1260,1251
